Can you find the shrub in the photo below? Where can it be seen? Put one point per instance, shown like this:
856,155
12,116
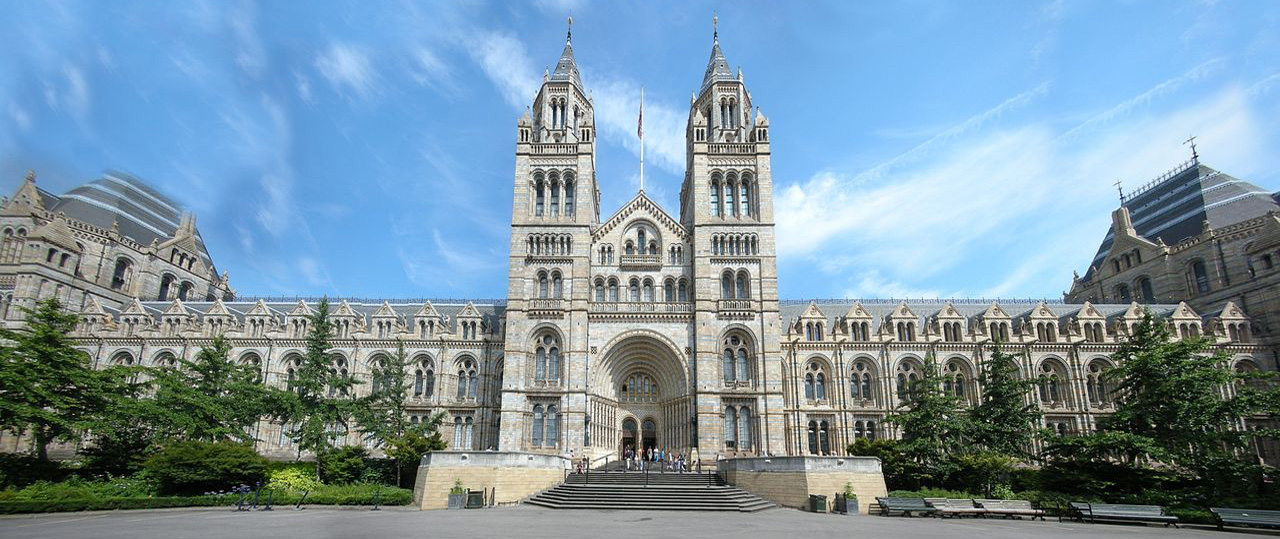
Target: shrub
58,506
294,477
198,467
932,493
22,469
343,465
353,494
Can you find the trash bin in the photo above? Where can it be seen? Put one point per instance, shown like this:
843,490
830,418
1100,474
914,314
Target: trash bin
817,503
475,499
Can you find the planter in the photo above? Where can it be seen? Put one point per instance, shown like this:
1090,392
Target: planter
457,501
847,506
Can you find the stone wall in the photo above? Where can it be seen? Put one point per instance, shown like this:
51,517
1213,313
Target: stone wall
789,481
513,476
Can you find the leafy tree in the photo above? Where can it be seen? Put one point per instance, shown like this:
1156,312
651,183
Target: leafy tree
383,416
210,398
342,465
900,473
932,424
321,403
48,388
1005,422
1173,408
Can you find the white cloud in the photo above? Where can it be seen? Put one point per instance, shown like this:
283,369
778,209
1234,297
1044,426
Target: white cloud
872,284
71,95
429,70
20,117
505,61
348,68
1012,207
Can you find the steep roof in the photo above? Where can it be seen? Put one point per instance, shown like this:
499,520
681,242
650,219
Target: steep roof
1175,206
566,66
143,213
717,67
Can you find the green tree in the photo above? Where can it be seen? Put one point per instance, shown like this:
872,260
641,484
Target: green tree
932,424
1005,422
900,473
1180,405
48,389
321,401
210,398
384,419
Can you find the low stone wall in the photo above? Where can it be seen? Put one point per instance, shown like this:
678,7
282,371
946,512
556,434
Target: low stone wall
788,481
514,475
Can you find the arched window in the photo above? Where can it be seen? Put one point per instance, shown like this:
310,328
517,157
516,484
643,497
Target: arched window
553,426
682,291
539,190
1122,293
815,382
737,358
726,286
542,284
744,197
557,286
1096,384
538,421
744,288
730,192
824,437
648,291
120,276
547,358
908,378
568,194
744,428
730,427
1201,276
419,382
555,195
1050,384
613,290
634,289
165,283
813,437
599,290
953,381
1144,288
184,290
640,239
668,291
715,196
821,390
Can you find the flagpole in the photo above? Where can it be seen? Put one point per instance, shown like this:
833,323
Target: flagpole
642,138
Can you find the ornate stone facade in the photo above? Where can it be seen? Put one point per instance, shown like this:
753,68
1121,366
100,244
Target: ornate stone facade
640,328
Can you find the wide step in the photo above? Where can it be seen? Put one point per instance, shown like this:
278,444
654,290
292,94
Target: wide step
653,491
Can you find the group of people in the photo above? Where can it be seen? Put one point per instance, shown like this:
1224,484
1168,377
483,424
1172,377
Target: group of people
657,456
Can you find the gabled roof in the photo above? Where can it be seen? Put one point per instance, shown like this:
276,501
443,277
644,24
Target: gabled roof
302,309
92,307
58,233
469,311
344,309
641,202
178,309
217,309
259,309
384,311
812,311
135,307
428,311
857,311
948,310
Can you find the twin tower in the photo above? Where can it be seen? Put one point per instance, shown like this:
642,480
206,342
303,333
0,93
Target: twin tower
643,329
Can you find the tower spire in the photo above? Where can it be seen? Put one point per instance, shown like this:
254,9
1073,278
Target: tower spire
568,38
715,28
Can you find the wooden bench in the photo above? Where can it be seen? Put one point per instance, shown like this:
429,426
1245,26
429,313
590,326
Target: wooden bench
905,506
1254,518
1094,512
1010,508
955,507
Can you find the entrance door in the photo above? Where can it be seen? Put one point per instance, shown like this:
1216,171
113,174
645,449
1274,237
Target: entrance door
628,438
650,435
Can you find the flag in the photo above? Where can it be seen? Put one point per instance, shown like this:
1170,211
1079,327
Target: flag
640,122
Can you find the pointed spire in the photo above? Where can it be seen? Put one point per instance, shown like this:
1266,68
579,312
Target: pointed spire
567,68
717,66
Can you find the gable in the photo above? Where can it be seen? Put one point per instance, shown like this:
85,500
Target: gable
641,208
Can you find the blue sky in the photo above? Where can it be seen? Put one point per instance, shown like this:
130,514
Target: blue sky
921,149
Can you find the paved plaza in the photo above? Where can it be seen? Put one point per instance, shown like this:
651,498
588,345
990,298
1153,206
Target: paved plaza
531,522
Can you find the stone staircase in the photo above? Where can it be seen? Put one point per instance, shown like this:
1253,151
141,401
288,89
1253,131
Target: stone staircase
652,491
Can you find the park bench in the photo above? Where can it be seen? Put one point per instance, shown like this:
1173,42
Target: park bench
1010,508
905,506
955,506
1094,512
1255,518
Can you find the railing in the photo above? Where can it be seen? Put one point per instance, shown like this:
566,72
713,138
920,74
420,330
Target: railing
732,148
556,149
640,260
545,304
734,305
641,307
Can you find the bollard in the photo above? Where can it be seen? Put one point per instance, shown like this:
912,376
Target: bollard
298,507
377,497
255,498
240,502
270,495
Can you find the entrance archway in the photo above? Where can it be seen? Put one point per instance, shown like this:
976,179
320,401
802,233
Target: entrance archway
642,380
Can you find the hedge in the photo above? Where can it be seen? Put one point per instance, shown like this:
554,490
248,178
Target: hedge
62,506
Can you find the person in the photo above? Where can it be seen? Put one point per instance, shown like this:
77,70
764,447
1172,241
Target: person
627,457
693,455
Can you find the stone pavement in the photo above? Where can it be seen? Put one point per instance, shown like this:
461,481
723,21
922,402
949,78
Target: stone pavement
533,522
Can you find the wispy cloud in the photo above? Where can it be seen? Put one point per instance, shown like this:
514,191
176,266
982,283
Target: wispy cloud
431,71
1145,98
348,68
506,63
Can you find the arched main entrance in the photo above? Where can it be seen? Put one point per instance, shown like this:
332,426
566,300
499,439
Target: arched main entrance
641,386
